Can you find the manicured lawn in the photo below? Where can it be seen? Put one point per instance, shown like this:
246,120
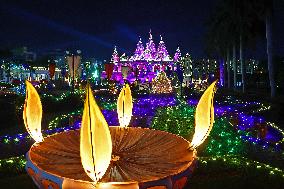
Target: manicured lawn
218,178
209,175
21,181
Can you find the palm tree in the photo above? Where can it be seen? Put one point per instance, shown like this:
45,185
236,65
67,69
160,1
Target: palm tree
264,10
5,57
269,45
245,24
266,14
237,23
219,38
234,65
223,29
228,62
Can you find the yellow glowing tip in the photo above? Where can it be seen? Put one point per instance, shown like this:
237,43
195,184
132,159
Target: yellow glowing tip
204,116
124,106
95,139
32,113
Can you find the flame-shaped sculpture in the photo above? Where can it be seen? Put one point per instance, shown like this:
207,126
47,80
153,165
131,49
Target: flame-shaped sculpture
95,139
32,113
124,106
204,116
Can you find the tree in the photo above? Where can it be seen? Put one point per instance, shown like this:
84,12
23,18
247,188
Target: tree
177,55
269,47
161,84
220,36
228,63
235,21
265,12
150,50
139,50
41,61
162,53
115,56
234,65
249,30
5,53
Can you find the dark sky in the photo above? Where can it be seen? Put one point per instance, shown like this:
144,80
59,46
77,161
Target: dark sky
96,26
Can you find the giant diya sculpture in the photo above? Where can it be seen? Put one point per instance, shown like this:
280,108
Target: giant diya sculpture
112,157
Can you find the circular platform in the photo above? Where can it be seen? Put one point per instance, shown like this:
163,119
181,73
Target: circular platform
142,158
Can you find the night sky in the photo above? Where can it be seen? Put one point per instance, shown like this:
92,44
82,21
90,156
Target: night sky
96,26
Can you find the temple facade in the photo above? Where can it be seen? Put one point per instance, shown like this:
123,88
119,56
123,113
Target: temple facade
145,62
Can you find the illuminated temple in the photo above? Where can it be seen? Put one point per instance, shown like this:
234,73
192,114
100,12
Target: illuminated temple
145,63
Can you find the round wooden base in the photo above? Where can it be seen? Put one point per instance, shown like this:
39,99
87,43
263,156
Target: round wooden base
143,158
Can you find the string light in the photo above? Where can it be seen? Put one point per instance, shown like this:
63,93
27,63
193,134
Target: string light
239,162
180,120
12,166
173,114
144,110
161,84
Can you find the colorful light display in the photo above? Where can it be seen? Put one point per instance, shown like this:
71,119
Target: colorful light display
161,84
162,53
139,50
8,166
177,55
144,109
223,132
144,63
96,147
15,165
115,57
150,50
240,162
222,140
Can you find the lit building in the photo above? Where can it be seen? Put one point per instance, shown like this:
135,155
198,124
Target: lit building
145,63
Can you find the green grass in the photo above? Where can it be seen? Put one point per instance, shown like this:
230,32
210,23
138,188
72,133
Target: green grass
16,182
232,179
202,178
217,174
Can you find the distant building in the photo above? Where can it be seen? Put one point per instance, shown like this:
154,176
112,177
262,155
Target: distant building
58,56
22,55
145,63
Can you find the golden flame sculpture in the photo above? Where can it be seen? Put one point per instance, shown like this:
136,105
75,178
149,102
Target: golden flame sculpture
204,116
95,139
124,106
32,113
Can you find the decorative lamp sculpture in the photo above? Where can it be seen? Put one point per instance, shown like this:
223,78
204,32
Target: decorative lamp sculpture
124,106
73,64
103,157
32,113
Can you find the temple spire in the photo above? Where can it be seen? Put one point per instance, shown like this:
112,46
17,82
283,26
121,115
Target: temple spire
115,57
139,50
150,50
162,53
150,35
177,55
